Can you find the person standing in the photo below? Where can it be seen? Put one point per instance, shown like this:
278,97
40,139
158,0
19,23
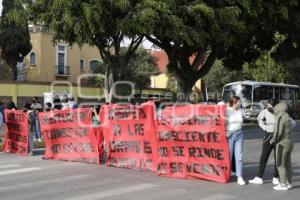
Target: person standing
2,117
266,121
1,123
31,121
235,136
36,107
65,103
282,138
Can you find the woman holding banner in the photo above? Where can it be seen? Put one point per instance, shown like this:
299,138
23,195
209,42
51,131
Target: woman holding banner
235,136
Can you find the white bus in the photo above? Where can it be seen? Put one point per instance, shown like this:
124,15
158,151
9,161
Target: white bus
254,95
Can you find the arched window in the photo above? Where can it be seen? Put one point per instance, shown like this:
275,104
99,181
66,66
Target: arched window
81,65
32,60
93,64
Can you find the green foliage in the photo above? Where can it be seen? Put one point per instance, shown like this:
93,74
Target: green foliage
141,67
232,31
219,75
292,71
100,23
266,69
14,36
5,71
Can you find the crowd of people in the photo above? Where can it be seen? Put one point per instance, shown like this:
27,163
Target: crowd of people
277,126
274,121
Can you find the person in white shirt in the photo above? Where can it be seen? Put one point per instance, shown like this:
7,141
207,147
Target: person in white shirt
266,121
235,136
65,103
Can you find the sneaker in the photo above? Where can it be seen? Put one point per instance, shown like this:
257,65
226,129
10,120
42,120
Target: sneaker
281,187
30,154
275,181
39,140
289,185
257,181
241,181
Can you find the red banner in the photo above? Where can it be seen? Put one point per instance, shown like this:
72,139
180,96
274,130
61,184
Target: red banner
69,135
192,143
16,136
129,134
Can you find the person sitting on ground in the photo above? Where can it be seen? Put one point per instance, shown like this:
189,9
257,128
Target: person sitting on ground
282,138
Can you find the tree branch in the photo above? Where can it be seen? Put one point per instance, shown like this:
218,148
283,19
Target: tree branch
207,66
199,59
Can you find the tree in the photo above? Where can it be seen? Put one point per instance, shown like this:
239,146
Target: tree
219,75
141,67
232,31
100,23
14,36
266,69
292,71
5,71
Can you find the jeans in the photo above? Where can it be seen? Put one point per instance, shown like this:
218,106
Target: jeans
236,144
265,154
30,142
37,129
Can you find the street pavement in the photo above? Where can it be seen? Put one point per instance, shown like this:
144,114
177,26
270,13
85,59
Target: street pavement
33,178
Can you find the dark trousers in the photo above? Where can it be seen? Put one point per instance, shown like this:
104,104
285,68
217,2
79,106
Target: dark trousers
265,154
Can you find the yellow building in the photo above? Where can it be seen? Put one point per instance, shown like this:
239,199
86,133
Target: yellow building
48,62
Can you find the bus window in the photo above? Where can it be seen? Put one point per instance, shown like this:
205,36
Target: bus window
277,94
285,94
297,94
263,93
242,91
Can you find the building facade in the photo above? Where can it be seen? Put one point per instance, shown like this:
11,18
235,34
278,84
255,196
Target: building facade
48,62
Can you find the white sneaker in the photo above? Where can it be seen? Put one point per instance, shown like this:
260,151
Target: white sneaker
241,181
275,181
289,185
281,187
257,181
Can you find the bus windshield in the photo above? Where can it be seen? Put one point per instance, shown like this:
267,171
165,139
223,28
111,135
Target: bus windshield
242,91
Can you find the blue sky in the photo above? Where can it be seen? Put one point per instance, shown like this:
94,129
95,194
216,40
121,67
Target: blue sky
0,6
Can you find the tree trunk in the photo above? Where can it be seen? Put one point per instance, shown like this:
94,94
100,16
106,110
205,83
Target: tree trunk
185,89
15,72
